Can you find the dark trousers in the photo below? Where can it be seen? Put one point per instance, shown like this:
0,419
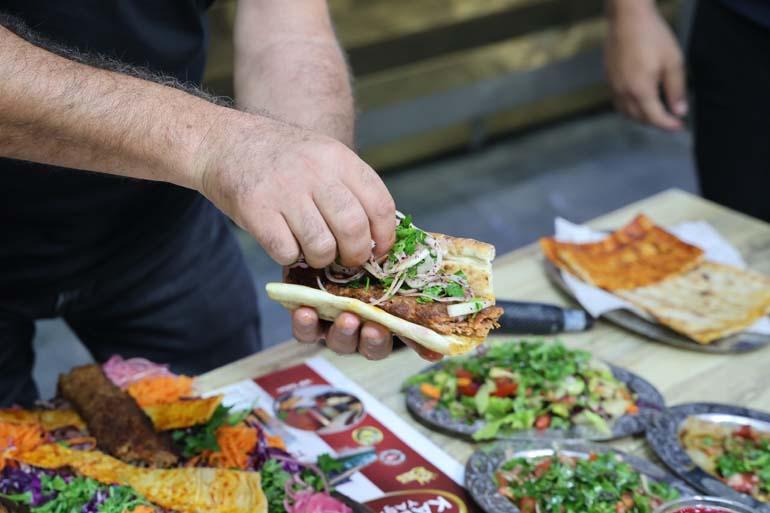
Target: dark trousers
730,71
191,303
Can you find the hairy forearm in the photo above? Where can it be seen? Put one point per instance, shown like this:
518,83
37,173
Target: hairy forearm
288,62
57,111
628,8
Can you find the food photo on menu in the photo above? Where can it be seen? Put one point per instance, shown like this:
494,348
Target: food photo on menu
385,256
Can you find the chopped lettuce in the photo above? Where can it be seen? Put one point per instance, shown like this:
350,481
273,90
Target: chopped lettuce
508,384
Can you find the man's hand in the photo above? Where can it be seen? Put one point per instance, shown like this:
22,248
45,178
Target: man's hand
643,56
296,192
347,334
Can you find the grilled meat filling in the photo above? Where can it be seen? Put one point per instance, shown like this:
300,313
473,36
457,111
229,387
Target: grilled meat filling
430,315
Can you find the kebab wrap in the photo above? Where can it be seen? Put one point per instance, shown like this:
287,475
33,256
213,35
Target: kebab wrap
433,289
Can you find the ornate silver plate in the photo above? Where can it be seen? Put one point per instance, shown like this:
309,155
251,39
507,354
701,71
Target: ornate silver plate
649,400
663,436
738,343
482,465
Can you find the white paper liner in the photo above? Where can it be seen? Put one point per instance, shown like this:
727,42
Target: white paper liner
597,301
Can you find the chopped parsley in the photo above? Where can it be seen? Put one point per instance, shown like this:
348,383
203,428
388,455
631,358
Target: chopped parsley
408,237
201,438
75,494
274,479
600,484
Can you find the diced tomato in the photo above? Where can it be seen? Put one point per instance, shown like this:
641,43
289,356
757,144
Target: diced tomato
542,467
628,500
469,390
569,400
593,456
743,483
461,382
528,505
462,373
632,409
543,422
505,387
625,503
505,492
745,432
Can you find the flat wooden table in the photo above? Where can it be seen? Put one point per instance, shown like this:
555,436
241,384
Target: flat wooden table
681,375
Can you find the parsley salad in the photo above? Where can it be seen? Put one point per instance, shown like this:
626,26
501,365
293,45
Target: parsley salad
601,483
523,385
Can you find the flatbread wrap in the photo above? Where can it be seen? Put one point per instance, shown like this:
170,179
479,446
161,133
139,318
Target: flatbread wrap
431,288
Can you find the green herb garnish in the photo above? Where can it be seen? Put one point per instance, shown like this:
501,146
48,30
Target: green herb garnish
204,438
408,237
601,484
529,385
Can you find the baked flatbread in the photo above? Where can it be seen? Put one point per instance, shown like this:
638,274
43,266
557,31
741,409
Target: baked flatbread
637,255
177,415
192,489
707,303
428,324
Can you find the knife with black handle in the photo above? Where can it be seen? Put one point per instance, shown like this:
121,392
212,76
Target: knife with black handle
523,318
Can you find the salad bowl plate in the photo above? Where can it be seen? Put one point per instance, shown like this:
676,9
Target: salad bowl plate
485,463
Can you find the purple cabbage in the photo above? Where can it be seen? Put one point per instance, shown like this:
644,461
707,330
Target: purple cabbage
17,480
101,495
262,453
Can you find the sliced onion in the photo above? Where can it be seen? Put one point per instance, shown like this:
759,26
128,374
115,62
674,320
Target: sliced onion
373,266
397,282
320,283
406,263
341,269
347,279
468,308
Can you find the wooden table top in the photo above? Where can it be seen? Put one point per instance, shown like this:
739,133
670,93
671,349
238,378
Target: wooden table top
681,375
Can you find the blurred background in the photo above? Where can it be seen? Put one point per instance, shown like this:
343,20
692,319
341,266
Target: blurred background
486,118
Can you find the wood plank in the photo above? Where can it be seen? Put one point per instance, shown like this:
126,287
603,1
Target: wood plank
682,376
515,22
409,150
365,22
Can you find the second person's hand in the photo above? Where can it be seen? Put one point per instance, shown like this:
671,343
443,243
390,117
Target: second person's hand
642,57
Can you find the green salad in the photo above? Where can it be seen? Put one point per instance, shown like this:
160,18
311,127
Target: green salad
524,385
602,483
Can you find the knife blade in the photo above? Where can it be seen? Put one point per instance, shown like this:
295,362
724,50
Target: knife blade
525,318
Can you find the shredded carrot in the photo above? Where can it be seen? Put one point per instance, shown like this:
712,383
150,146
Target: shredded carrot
195,460
235,444
160,390
81,440
632,409
431,391
19,438
275,441
143,509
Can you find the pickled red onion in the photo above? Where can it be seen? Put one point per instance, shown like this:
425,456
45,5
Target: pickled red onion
123,372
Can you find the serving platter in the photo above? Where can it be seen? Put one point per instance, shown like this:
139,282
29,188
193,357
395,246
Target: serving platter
649,400
482,465
738,343
663,437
